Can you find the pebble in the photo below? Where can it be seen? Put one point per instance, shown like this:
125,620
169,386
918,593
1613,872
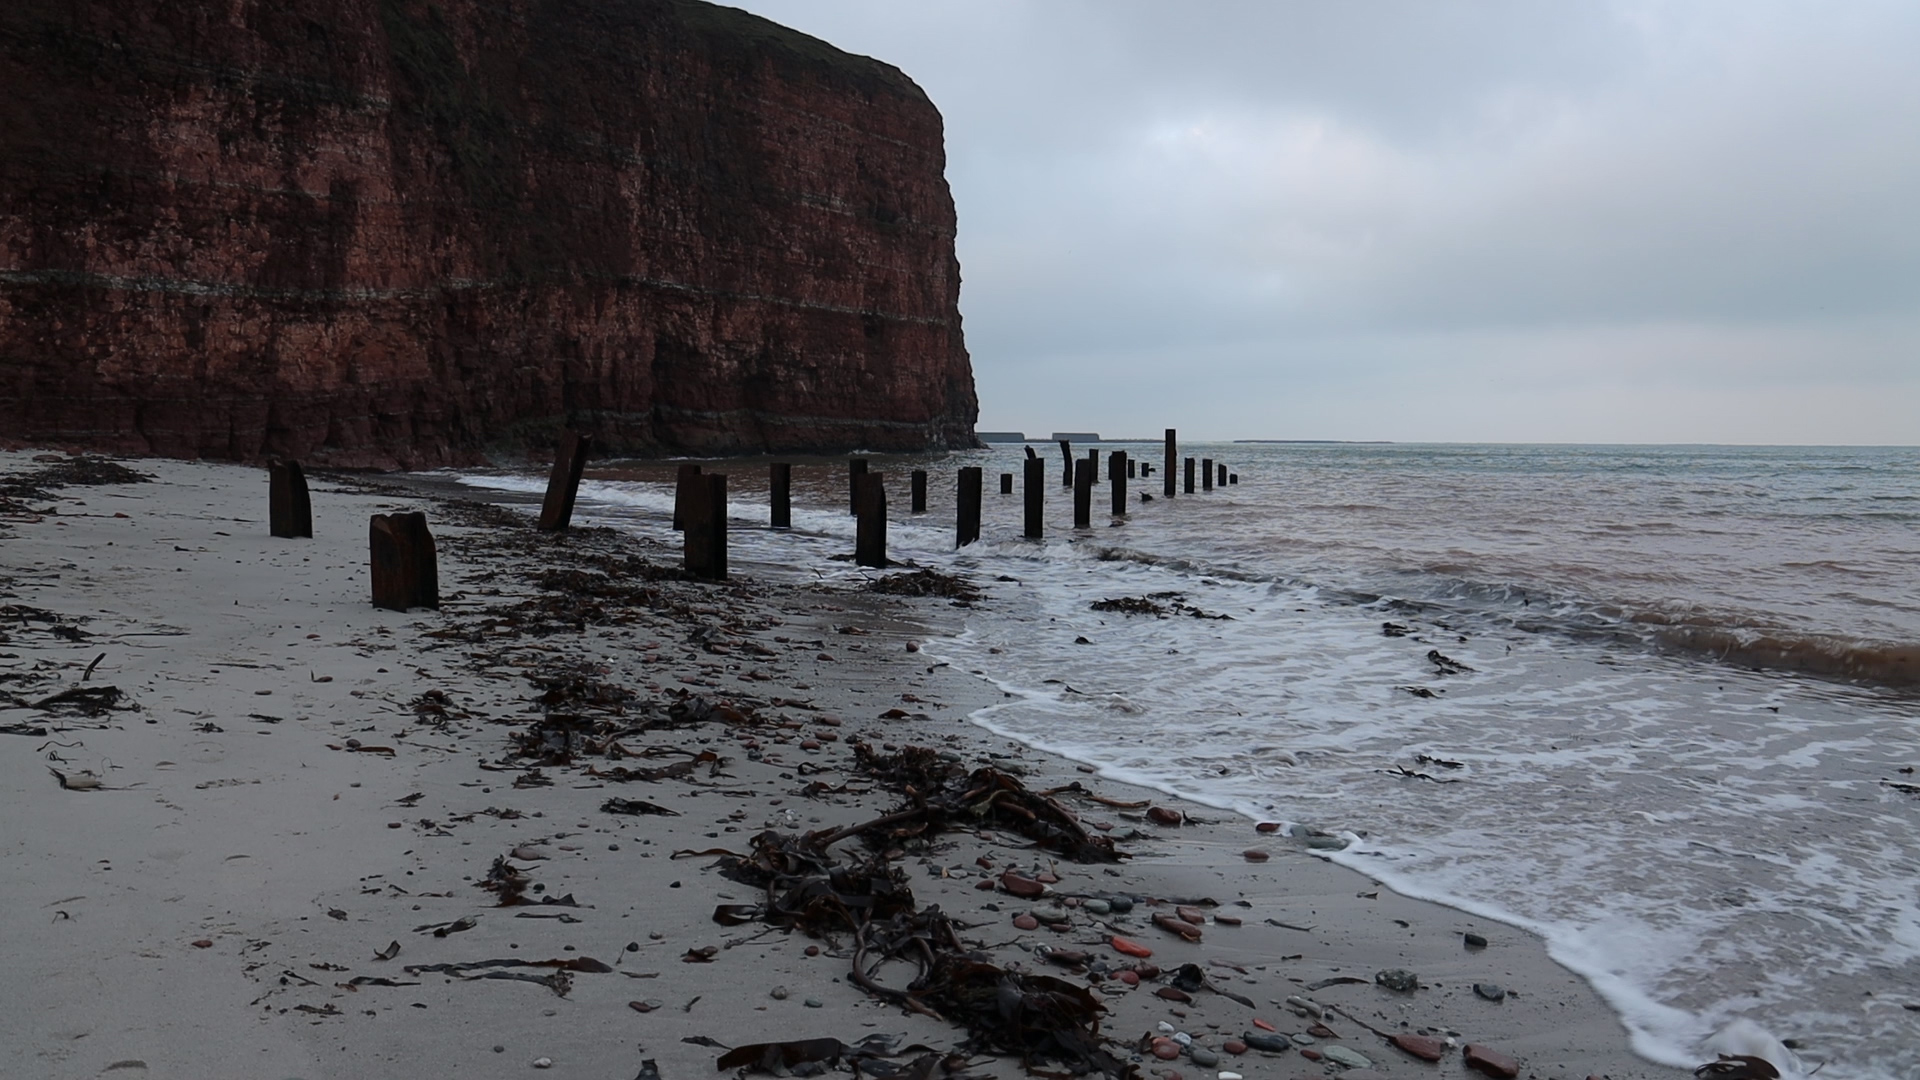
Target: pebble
1490,991
1342,1056
1174,993
1165,1049
1096,906
1183,1038
1160,815
1203,1057
1424,1047
1492,1062
1234,1046
1326,843
1398,979
809,744
1302,1039
1229,1076
1263,1025
1272,1044
1191,914
815,1003
1026,922
1267,826
1129,947
1227,920
1306,1007
1131,978
543,1063
1310,1055
1321,1031
813,950
1254,855
779,993
1020,886
1474,941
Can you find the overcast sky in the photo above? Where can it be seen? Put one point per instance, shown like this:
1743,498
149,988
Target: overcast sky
1566,222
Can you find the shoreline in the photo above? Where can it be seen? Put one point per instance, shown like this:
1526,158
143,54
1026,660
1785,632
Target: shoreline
251,832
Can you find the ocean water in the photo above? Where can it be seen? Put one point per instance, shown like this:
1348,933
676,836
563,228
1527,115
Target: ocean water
1692,685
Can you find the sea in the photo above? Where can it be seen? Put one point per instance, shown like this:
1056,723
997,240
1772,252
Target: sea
1659,705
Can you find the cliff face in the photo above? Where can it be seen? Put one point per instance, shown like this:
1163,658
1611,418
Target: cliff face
388,232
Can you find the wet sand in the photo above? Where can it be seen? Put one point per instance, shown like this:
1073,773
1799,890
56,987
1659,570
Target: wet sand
293,780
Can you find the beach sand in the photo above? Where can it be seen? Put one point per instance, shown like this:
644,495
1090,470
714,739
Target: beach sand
293,780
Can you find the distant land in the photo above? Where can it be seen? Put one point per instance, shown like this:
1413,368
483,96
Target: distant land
1000,436
1323,442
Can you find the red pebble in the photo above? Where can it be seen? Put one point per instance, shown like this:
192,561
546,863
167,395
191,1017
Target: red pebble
1227,920
809,744
1045,878
1166,1049
1263,1025
987,884
813,950
1192,915
1021,886
1174,993
1424,1047
1310,1055
203,943
1131,978
1026,922
1160,815
1129,946
1234,1046
1492,1062
1267,826
1255,855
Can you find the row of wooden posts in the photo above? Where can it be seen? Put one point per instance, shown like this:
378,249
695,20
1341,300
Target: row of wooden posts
405,569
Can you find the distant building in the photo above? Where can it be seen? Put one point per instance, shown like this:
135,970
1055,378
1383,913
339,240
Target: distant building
1001,436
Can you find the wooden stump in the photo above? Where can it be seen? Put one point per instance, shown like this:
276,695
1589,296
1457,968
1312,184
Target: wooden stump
1083,494
870,534
1120,466
1206,474
1066,451
780,495
563,483
919,491
289,508
1190,476
1167,468
967,519
1036,498
406,568
1221,480
704,541
1006,483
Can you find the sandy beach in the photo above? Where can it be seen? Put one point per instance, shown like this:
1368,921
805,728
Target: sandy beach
291,836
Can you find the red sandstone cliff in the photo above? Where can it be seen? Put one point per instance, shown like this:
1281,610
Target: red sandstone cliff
393,232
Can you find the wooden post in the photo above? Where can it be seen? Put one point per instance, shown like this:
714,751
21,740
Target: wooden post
780,495
289,508
1189,476
1167,469
1030,454
967,521
870,534
406,569
1120,466
704,546
683,493
1233,478
856,468
1036,497
1206,474
563,483
919,491
1083,494
1066,451
1094,456
1006,483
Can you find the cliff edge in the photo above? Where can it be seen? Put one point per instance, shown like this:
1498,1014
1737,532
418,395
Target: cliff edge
400,233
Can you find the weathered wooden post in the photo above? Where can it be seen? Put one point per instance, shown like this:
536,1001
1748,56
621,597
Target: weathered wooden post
1094,457
1206,474
1006,483
1066,451
1083,494
1167,468
1222,480
1030,454
1233,478
780,495
1131,464
563,483
406,569
704,549
967,520
856,468
1036,497
870,534
1189,476
685,480
289,507
919,491
1120,466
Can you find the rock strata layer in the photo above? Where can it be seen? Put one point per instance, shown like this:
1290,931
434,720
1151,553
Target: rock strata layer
394,233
